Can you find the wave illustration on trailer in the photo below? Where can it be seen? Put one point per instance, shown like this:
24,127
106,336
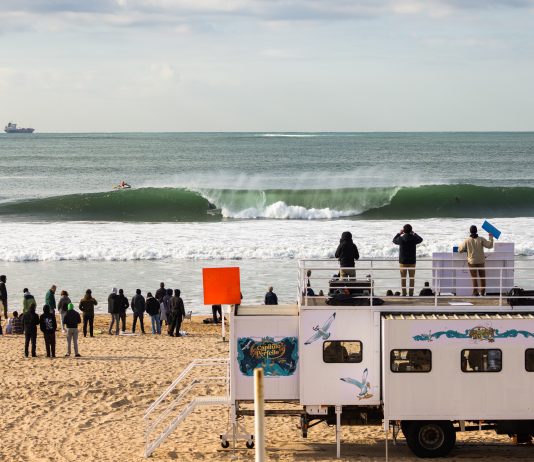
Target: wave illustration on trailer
181,204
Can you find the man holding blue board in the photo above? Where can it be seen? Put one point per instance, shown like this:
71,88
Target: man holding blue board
474,246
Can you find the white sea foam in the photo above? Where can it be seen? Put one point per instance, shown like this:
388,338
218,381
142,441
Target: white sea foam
280,210
262,239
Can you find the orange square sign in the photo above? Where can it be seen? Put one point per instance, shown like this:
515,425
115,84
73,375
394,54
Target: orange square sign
221,286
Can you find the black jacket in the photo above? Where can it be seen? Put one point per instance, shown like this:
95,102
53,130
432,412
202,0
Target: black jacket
152,306
113,303
47,323
87,306
160,293
407,244
30,321
123,302
138,304
271,298
347,252
3,291
72,319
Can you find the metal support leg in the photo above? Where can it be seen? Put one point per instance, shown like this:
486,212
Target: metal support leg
338,431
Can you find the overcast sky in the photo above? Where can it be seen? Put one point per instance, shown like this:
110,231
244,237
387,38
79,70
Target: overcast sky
267,65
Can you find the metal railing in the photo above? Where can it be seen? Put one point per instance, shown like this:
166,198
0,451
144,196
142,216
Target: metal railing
449,279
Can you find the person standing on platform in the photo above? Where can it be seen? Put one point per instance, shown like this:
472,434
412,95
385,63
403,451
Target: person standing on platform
347,254
3,293
270,297
48,325
30,321
62,307
474,245
407,241
87,307
72,319
152,308
138,308
50,300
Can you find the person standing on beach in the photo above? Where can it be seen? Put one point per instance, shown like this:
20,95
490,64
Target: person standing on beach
3,293
165,307
347,253
152,308
161,292
177,314
62,307
87,307
113,310
30,321
27,300
48,325
50,300
476,260
216,310
138,308
72,319
407,241
124,304
270,297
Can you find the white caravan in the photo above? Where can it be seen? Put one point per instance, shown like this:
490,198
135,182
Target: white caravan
429,365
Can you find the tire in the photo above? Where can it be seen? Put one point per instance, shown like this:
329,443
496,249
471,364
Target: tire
225,444
250,444
429,439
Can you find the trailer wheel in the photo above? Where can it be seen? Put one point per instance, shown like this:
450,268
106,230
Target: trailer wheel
225,444
250,444
431,438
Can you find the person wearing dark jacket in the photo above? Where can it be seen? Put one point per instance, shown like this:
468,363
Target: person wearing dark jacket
165,308
18,326
138,308
48,325
113,310
270,297
30,321
87,307
50,299
72,319
347,254
124,304
62,307
161,292
177,313
152,308
407,241
3,293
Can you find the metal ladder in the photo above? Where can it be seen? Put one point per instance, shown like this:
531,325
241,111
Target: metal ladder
152,424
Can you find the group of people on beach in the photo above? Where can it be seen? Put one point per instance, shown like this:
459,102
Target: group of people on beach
165,307
407,240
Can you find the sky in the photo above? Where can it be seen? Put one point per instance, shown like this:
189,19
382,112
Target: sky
267,65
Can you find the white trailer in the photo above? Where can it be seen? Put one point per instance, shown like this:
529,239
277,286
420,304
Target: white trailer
429,365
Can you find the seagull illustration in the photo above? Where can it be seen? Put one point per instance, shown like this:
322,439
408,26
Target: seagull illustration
363,385
248,345
321,332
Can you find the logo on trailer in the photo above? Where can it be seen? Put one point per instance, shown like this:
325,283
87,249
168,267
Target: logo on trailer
477,333
276,357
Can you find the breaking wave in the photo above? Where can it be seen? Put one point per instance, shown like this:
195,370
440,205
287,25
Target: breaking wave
181,204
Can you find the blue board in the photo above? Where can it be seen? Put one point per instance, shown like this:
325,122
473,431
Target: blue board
487,226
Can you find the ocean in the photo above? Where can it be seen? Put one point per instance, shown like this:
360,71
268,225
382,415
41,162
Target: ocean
259,201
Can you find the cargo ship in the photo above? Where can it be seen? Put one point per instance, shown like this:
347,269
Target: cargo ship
12,128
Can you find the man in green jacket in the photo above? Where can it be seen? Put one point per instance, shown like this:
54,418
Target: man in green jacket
50,300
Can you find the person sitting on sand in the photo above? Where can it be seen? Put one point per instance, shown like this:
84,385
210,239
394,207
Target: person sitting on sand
72,319
347,253
426,291
16,322
62,307
48,325
270,297
152,308
30,321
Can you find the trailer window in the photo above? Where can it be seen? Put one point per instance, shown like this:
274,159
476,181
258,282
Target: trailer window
342,351
529,359
478,360
411,360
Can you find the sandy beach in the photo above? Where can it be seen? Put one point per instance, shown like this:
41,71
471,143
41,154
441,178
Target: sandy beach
92,408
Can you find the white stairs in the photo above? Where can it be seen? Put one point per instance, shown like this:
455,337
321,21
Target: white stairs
161,421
